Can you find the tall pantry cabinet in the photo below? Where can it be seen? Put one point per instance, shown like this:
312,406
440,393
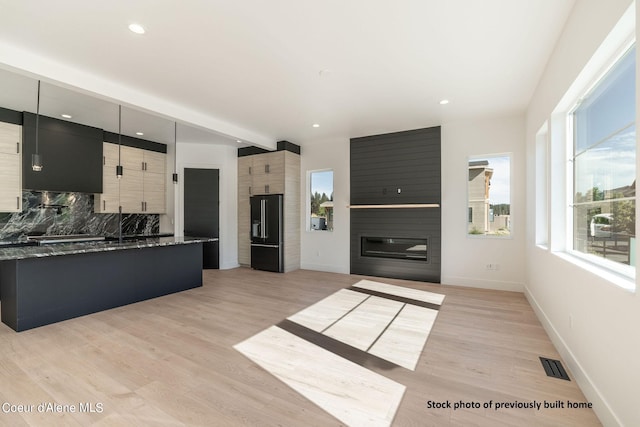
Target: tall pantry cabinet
276,172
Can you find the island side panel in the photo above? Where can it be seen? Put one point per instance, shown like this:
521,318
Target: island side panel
56,288
8,293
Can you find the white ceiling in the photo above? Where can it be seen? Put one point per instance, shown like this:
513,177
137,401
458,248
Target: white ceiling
263,71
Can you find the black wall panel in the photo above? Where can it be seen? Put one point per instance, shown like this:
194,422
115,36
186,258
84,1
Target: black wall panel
401,167
130,141
397,168
71,156
10,116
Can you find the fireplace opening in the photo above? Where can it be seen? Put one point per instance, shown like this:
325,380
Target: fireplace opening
396,248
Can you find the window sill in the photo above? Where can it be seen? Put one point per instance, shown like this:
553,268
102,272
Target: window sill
618,278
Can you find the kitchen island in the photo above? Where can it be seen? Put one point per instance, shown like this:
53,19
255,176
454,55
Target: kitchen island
40,285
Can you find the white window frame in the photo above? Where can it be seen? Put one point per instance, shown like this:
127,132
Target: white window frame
542,187
606,56
308,200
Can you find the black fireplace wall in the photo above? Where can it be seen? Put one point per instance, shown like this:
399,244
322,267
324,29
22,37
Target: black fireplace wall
397,168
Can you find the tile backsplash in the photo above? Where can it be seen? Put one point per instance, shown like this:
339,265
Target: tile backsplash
49,213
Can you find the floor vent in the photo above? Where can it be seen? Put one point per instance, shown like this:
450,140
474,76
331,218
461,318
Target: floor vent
554,368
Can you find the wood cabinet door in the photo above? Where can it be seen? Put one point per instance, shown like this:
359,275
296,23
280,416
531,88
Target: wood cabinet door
131,158
155,162
154,192
110,156
154,202
132,191
10,138
10,187
109,200
10,167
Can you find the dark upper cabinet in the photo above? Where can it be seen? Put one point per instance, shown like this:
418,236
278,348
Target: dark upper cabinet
71,156
396,168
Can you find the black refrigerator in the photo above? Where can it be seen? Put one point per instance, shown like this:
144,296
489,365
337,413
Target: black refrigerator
267,233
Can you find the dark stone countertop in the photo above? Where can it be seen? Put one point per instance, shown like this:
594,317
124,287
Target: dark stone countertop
25,252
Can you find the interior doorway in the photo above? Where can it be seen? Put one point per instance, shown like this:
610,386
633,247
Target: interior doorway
202,210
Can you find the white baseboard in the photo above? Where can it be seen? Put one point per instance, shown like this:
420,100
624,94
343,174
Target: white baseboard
600,406
325,268
229,265
497,285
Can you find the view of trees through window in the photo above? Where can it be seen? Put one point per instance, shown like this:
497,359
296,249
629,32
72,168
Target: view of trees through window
321,191
604,166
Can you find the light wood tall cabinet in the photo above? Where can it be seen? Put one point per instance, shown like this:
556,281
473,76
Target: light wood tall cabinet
276,172
10,167
142,188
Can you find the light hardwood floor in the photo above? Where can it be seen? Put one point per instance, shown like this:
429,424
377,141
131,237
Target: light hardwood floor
170,361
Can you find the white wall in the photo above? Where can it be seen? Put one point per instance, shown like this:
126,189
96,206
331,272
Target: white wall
593,323
224,158
324,250
464,257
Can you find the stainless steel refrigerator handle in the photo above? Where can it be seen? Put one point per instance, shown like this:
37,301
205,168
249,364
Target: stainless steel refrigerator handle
260,245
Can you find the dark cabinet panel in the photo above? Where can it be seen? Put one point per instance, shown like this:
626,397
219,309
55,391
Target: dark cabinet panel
71,156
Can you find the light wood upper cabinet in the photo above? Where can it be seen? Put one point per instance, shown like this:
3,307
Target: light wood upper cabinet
10,167
131,158
142,187
132,191
109,200
263,173
10,138
155,162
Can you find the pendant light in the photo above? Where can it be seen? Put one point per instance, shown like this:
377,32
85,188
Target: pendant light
119,167
36,159
175,153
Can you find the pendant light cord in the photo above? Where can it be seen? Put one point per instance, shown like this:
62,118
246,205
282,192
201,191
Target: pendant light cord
119,132
175,153
37,116
119,170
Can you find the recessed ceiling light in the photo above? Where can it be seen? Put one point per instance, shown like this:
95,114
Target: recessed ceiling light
444,102
238,141
66,116
139,133
137,28
315,125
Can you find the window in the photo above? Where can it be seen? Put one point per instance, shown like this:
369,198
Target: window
321,200
604,167
489,195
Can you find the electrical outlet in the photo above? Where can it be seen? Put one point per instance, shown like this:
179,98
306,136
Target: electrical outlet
492,267
489,267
